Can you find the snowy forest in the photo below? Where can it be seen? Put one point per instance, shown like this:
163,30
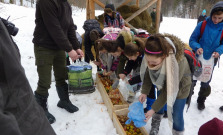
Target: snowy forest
170,8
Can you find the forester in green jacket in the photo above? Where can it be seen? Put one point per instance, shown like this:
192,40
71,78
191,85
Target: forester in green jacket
54,34
166,67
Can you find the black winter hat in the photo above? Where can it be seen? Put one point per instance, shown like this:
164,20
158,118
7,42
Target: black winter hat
111,6
217,7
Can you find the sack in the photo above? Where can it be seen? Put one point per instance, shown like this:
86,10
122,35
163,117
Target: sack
207,68
194,64
136,114
80,79
91,24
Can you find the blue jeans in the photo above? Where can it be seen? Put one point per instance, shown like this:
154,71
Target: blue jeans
178,108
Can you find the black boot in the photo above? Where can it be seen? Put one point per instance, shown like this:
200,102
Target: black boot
64,99
221,108
42,101
200,101
165,114
203,93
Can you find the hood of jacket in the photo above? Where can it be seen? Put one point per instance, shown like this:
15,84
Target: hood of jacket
217,7
179,44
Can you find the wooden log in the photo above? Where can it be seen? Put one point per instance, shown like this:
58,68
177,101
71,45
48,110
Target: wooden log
158,9
87,10
118,125
99,3
137,3
92,9
111,108
141,10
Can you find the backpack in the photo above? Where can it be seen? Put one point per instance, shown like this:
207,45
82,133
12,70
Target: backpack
91,24
203,25
194,64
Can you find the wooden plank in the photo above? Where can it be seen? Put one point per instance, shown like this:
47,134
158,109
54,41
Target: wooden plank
137,3
111,108
117,124
92,9
140,10
126,2
87,10
99,3
158,8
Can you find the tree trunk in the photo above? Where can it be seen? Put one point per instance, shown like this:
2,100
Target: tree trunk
21,2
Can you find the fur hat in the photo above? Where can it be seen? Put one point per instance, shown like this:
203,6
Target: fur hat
212,127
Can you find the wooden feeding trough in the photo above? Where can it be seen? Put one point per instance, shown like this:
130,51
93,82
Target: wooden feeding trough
111,108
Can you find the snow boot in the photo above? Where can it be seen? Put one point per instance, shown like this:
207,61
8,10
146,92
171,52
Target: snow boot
42,101
221,108
156,119
165,114
64,99
200,101
203,93
177,132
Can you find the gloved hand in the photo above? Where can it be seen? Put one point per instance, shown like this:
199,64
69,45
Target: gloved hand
115,84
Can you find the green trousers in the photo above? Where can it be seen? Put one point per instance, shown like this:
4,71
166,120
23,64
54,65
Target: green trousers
45,60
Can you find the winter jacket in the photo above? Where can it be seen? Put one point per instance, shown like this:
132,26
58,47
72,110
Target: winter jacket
153,16
116,21
88,44
54,26
108,61
19,112
133,65
201,18
210,39
184,78
122,61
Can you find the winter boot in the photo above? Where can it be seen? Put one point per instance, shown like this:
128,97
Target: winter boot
165,114
42,101
156,119
64,99
177,132
200,101
221,108
203,93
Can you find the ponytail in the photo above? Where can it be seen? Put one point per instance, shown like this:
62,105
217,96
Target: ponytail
132,48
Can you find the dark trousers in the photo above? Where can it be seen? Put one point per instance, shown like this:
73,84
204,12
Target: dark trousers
45,60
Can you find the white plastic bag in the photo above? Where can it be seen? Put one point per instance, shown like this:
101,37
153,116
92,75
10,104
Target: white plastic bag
207,66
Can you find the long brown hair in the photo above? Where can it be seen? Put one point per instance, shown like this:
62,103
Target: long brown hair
133,47
157,43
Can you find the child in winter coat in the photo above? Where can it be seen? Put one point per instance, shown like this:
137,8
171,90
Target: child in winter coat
112,18
209,45
108,62
134,51
166,67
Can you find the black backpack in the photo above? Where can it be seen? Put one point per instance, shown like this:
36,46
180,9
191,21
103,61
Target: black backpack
91,24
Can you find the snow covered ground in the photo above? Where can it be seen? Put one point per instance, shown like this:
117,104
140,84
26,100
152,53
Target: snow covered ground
92,117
